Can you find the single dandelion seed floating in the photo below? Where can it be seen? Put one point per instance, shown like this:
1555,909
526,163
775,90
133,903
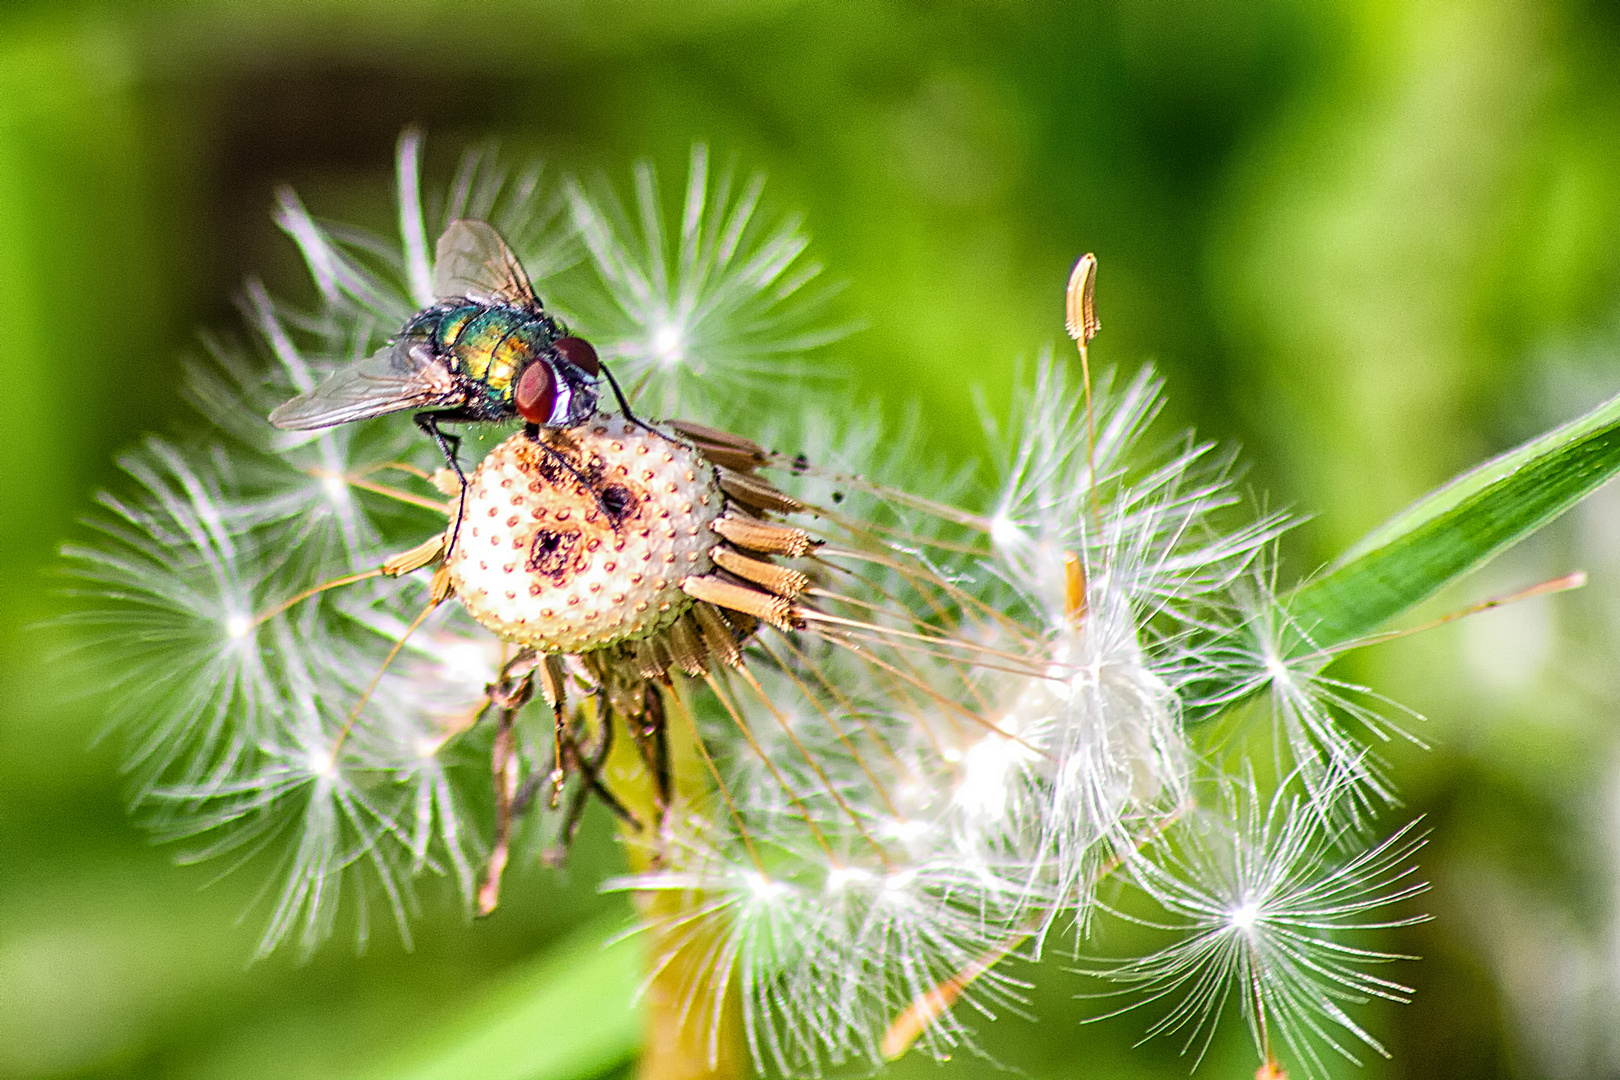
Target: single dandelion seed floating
1264,895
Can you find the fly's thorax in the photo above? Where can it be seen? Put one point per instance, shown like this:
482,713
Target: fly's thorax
492,345
565,566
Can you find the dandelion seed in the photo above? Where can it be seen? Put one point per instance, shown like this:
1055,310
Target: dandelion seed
717,305
1263,899
1312,712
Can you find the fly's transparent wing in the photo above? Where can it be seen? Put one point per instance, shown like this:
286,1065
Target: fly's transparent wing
472,260
394,378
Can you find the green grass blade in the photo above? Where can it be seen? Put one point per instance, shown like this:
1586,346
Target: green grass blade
1459,527
571,1013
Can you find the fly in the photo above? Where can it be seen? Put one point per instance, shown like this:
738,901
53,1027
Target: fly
486,351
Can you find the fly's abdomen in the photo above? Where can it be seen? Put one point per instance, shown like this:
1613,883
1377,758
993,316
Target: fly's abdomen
513,354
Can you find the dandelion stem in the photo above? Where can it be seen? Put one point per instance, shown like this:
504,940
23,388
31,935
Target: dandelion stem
885,632
960,596
1082,324
843,701
1567,583
929,1006
836,728
400,466
941,699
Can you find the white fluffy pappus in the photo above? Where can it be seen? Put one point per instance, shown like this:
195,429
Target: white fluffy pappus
1266,901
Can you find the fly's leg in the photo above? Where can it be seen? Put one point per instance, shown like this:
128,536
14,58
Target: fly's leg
508,694
533,432
623,404
450,446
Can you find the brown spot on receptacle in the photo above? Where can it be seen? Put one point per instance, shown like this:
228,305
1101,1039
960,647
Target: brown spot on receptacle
550,550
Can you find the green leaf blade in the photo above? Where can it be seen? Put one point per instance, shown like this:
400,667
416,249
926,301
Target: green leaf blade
1458,528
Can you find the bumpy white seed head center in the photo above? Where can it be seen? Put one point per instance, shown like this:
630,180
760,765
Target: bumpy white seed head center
568,567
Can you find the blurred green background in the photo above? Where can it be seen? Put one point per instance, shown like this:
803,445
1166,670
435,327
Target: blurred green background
1370,240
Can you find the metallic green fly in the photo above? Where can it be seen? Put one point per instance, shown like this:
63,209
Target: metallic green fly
485,352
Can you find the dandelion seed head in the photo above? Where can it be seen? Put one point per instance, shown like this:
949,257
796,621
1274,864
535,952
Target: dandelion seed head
897,887
712,308
1318,718
943,765
322,762
906,829
1006,534
765,890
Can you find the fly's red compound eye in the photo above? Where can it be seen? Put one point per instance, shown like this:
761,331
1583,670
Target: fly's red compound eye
536,393
578,351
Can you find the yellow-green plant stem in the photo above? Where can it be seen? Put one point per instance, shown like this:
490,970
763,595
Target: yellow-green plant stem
690,1031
